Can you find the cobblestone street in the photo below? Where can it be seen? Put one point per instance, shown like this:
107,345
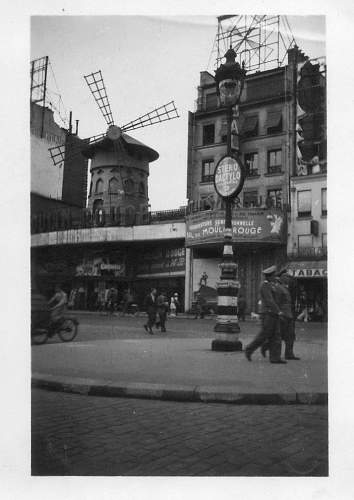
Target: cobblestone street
81,435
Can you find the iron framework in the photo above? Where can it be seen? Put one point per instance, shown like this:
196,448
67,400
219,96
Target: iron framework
260,41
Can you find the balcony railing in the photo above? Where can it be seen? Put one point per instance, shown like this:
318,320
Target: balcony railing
309,253
62,220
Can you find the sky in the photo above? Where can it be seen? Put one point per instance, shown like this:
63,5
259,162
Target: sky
146,61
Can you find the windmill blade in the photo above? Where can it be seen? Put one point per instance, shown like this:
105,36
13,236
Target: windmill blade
98,90
163,113
58,155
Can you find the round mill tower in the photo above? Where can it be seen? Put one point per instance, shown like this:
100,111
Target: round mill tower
119,177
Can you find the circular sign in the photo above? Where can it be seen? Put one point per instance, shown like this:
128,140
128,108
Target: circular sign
228,177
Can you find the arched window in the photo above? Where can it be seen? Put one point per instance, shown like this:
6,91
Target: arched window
113,186
129,186
141,188
99,186
98,205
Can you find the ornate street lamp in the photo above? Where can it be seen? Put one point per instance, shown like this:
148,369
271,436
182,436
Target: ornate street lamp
229,177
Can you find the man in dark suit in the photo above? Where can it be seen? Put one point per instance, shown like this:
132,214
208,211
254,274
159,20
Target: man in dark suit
151,308
286,295
270,314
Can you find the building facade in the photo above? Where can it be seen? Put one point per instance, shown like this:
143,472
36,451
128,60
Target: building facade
266,150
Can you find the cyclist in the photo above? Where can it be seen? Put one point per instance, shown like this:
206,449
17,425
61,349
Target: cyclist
59,300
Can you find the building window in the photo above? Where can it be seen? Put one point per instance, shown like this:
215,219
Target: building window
141,188
274,161
208,171
250,126
274,198
251,162
324,240
99,186
211,101
274,122
208,134
129,186
324,201
304,241
207,202
113,186
304,203
250,199
224,132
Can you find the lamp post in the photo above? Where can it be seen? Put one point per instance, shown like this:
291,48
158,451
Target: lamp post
229,177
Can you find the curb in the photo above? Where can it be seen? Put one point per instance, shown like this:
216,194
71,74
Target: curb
200,394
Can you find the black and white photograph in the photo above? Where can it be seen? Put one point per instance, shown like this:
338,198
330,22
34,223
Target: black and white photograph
178,264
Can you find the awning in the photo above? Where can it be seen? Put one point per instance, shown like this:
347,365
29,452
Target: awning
273,119
250,123
308,268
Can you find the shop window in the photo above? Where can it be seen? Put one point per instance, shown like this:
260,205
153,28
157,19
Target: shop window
208,134
99,186
208,170
250,199
274,161
304,203
274,122
251,162
305,241
274,198
211,101
324,201
250,126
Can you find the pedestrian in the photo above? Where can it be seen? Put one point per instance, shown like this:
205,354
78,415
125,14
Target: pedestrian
162,308
270,313
200,306
150,304
241,307
287,321
176,302
173,307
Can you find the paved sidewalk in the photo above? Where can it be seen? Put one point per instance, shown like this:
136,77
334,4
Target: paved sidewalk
180,369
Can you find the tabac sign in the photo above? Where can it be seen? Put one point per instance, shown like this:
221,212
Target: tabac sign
248,225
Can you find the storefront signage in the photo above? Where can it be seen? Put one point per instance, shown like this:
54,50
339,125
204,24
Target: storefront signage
309,273
162,260
252,225
228,177
96,267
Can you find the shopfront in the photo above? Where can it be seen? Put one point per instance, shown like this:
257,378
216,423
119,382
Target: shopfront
259,240
162,267
311,289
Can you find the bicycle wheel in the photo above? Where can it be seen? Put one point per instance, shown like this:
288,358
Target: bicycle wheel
39,336
68,330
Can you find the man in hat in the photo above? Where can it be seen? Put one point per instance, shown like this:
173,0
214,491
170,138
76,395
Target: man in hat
285,292
270,314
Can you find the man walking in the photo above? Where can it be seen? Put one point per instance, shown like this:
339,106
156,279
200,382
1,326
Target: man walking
287,321
270,314
162,308
150,304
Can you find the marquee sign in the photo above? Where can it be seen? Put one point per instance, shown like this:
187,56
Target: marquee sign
228,177
248,225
